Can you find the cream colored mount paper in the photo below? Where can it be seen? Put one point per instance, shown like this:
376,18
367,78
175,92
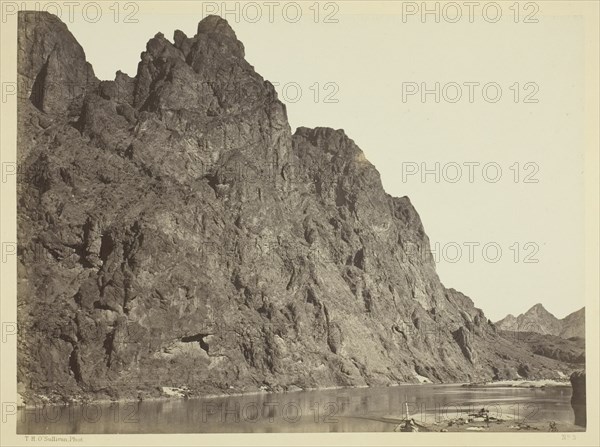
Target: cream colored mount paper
311,223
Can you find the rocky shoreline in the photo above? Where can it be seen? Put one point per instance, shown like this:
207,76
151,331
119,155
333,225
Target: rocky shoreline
540,383
171,393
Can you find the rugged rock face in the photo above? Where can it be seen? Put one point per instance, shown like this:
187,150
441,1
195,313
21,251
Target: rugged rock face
173,232
578,399
538,319
570,350
573,325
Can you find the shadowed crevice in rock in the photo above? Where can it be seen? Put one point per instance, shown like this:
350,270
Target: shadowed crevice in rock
37,89
74,365
198,338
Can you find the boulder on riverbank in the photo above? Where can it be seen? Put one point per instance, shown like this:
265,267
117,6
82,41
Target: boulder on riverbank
578,397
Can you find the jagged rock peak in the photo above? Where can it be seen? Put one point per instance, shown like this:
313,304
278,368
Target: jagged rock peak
52,68
40,17
538,307
43,33
179,37
217,29
213,24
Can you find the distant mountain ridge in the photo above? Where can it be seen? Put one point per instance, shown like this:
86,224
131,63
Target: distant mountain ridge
538,319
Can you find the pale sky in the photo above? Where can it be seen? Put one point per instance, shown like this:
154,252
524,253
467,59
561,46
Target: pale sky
370,59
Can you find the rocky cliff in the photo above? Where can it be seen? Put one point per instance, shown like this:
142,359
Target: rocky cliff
578,397
173,232
570,350
573,325
539,320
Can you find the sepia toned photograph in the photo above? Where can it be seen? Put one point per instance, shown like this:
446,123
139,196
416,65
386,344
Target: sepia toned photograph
295,220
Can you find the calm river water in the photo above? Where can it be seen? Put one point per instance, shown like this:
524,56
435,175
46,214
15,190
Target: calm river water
337,410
